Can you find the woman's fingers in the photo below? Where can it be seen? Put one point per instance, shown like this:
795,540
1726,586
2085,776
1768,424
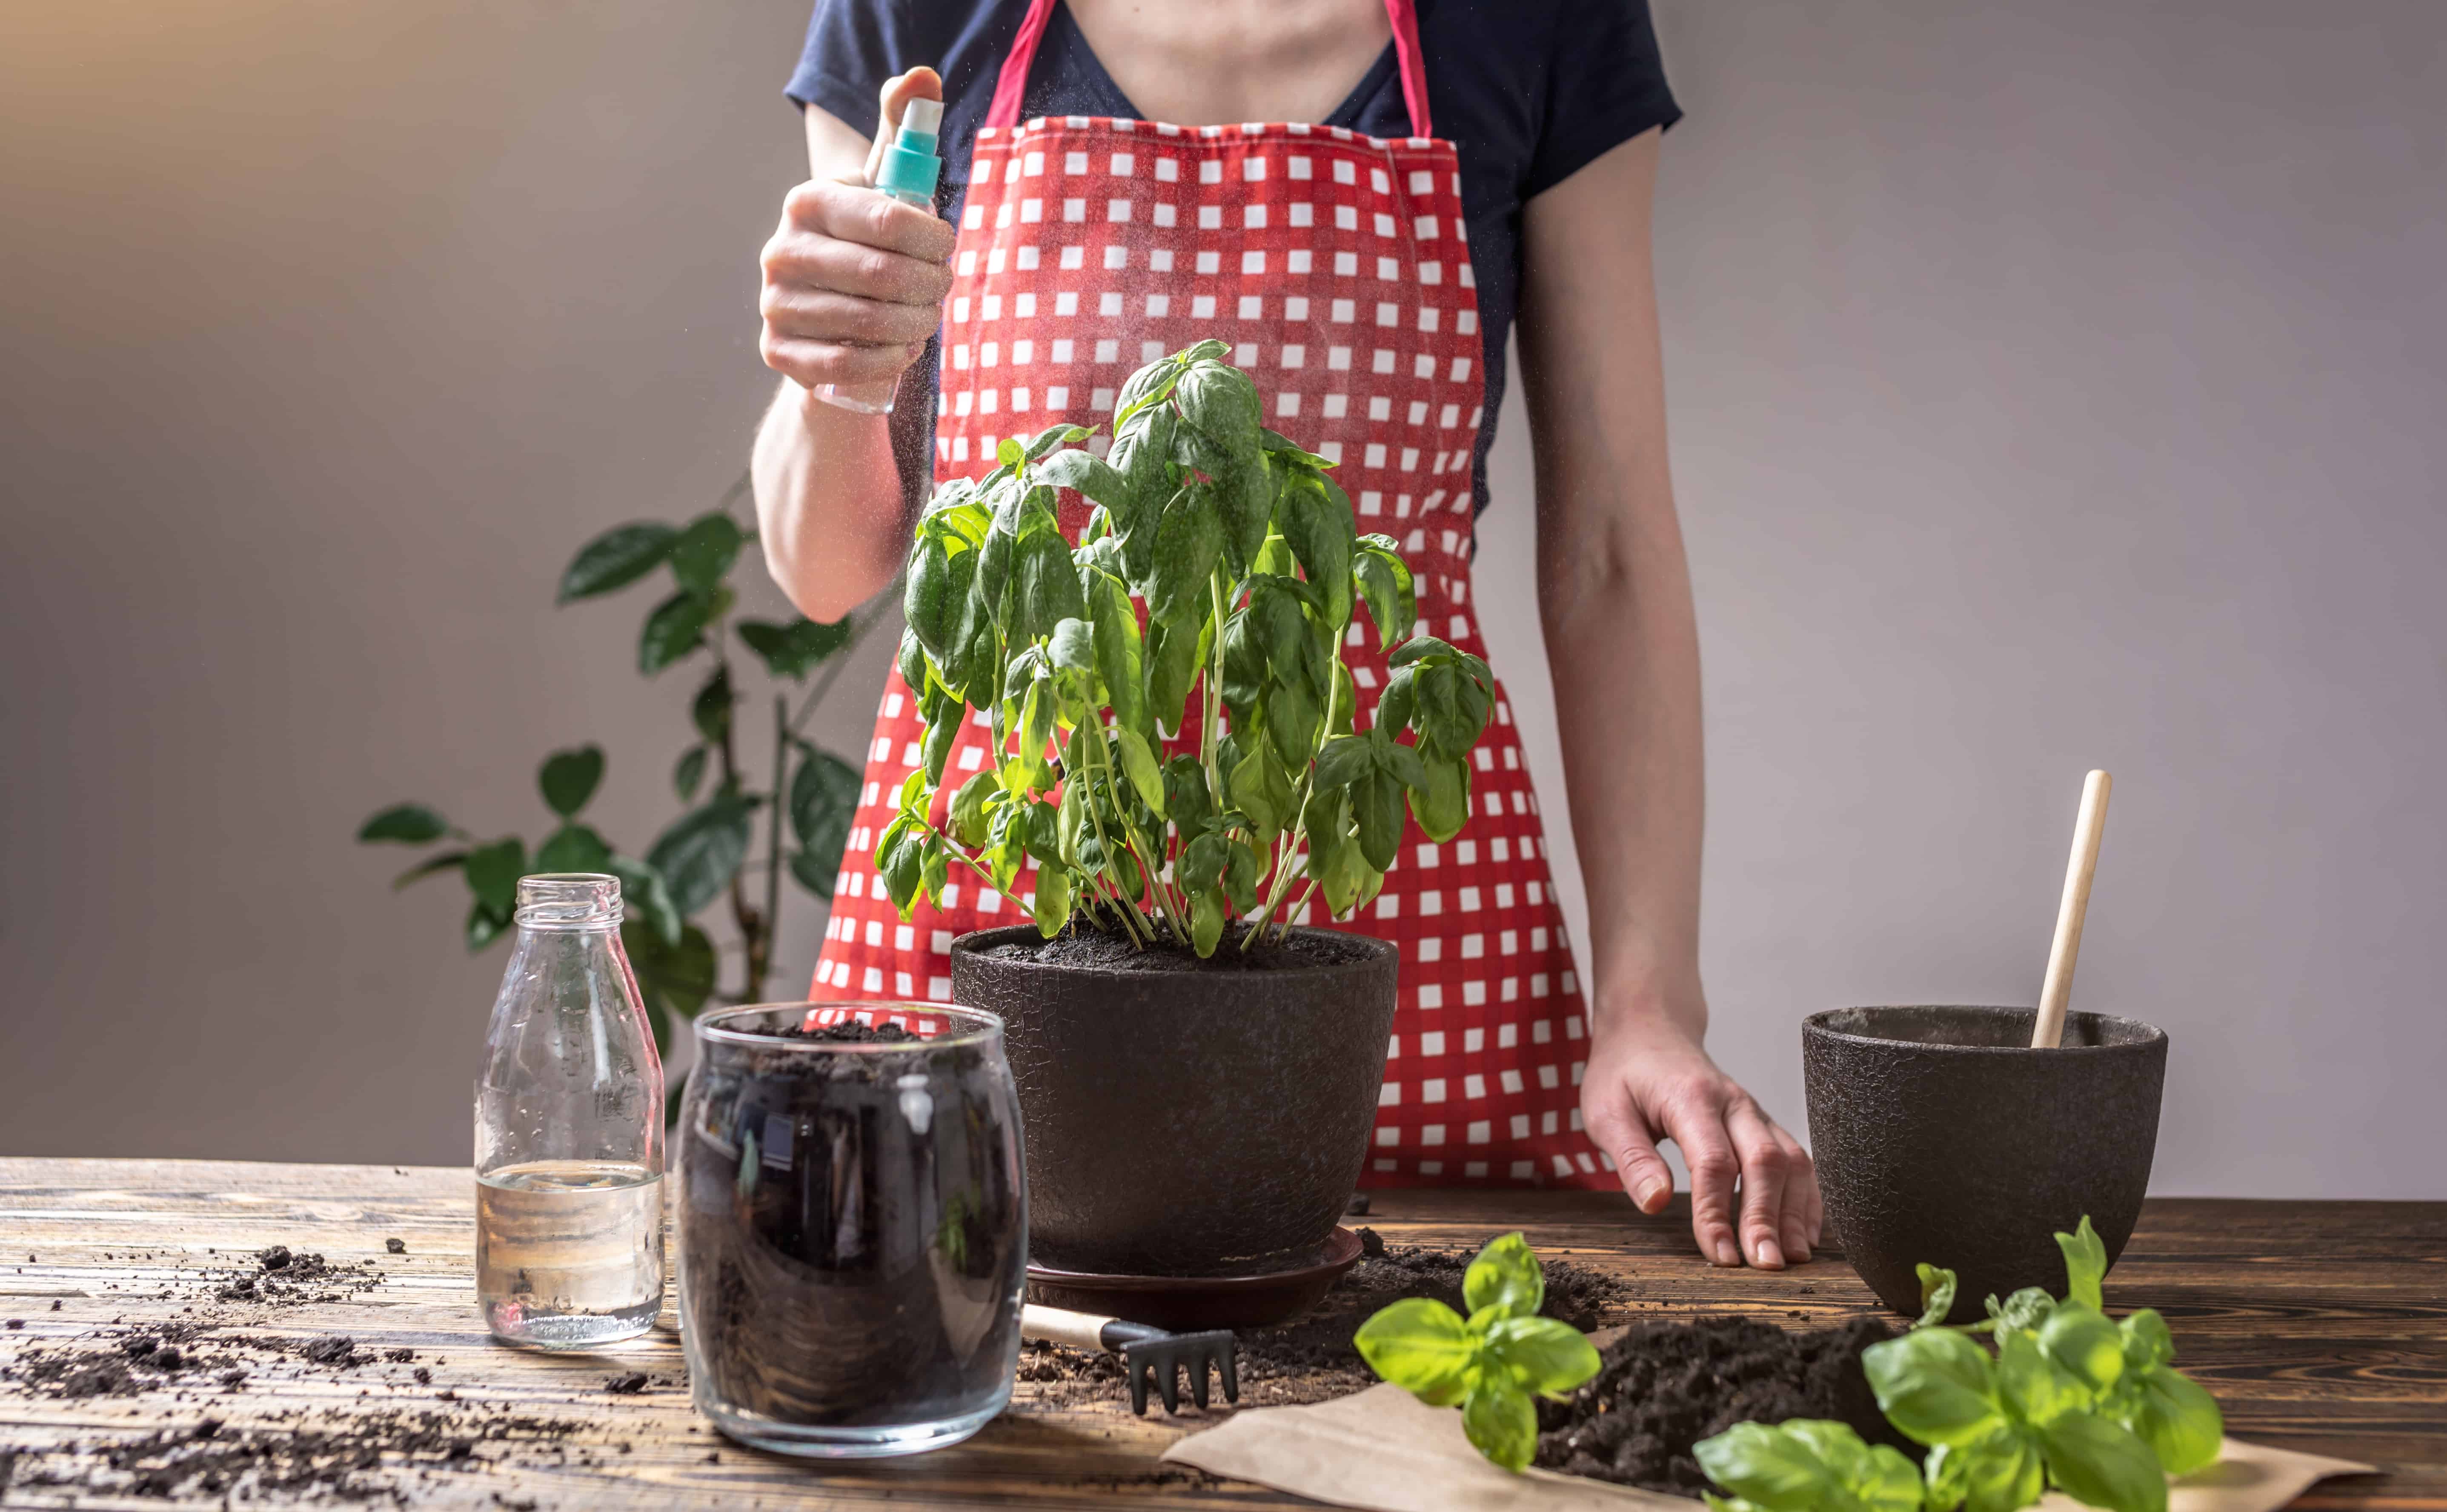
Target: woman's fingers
794,310
1619,1130
1697,1125
810,362
918,84
1797,1224
847,213
1765,1169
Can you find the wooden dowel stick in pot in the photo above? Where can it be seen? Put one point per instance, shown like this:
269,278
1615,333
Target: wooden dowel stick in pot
2048,1032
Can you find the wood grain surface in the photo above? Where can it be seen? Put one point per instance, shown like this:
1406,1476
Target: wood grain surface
2320,1325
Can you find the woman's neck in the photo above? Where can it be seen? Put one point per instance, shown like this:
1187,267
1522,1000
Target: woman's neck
1198,63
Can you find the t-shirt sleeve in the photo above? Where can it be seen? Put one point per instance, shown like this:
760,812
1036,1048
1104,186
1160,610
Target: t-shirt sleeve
853,45
1606,86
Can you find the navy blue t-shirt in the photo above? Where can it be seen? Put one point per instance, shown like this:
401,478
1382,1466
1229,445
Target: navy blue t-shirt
1529,91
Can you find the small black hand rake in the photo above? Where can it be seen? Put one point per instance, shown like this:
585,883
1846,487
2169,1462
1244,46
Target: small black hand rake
1148,1353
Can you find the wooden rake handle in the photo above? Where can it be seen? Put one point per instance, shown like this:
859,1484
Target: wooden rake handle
2047,1032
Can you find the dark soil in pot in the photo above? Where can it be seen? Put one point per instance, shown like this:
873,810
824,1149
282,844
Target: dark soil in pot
1186,1116
846,1264
1940,1135
1664,1386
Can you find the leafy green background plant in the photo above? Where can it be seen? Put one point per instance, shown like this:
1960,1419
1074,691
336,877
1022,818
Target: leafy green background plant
2071,1398
1492,1363
707,853
1243,550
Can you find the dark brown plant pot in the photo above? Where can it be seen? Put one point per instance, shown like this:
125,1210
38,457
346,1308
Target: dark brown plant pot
1942,1136
1185,1122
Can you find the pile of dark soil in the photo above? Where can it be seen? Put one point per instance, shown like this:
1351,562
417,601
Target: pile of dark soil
1666,1386
845,1033
1311,1359
1084,947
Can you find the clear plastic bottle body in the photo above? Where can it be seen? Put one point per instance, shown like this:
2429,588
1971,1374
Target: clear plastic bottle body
873,399
906,170
569,1130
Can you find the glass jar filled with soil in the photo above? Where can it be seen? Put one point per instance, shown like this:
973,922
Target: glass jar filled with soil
569,1130
853,1225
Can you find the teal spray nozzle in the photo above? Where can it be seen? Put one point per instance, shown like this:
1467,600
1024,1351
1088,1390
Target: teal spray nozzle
911,165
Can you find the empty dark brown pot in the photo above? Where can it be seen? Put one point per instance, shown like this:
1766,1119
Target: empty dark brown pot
1942,1136
1188,1123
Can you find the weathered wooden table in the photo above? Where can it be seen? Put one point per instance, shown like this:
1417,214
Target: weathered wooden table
2321,1326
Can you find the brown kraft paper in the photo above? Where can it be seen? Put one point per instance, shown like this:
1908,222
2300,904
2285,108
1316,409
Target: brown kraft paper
1385,1450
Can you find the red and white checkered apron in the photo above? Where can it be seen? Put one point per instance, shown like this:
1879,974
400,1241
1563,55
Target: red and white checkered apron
1334,263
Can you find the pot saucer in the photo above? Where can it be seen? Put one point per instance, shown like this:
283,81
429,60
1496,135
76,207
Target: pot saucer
1188,1303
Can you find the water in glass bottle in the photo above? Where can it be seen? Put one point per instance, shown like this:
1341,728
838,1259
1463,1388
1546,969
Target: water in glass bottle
569,1130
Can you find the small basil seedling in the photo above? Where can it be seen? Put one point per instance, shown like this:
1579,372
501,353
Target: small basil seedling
1494,1362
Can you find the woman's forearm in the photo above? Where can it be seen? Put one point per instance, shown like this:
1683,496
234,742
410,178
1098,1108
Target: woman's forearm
832,507
1614,590
1621,632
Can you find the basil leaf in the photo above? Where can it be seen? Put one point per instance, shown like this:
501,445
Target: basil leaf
1317,522
2097,1461
1506,1273
1498,1418
1420,1345
1937,1286
2024,1311
1188,543
2039,1390
1206,921
1935,1384
1047,587
2085,1263
1138,764
2080,1338
1544,1357
2179,1421
1769,1467
2002,1471
1052,904
1442,806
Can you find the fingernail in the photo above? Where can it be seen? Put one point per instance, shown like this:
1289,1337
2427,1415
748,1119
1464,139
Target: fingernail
1727,1253
1649,1194
1770,1257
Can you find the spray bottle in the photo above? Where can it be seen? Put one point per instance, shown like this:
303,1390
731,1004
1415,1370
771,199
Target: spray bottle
910,167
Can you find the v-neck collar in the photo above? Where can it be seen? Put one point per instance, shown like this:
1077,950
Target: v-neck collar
1100,79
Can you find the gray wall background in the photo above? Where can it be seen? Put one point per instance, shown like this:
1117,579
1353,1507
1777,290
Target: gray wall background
2052,387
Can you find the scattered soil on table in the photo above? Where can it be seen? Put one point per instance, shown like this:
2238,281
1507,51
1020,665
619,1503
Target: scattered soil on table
286,1279
1666,1386
1083,947
1311,1359
248,1464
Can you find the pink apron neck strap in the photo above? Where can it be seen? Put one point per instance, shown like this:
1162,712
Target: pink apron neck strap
1012,81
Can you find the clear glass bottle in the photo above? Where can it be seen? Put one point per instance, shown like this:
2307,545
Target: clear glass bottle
569,1130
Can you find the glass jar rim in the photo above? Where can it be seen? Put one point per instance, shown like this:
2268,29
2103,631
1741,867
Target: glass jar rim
568,901
977,1026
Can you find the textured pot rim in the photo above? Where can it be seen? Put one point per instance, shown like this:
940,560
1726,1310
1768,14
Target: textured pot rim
1816,1024
976,940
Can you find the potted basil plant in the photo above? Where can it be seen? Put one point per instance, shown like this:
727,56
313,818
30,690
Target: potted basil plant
1177,751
